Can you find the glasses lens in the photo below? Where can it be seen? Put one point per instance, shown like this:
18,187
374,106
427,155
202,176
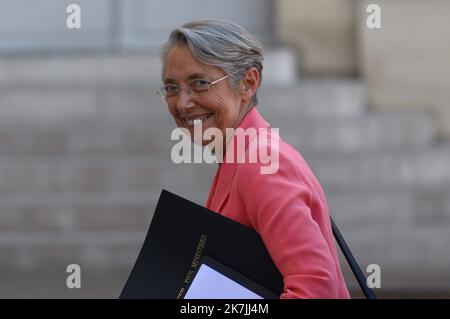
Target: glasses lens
169,90
199,86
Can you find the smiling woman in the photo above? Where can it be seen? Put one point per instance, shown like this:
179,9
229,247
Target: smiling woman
201,67
211,74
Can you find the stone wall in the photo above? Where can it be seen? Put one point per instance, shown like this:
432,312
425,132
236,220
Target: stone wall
322,32
406,63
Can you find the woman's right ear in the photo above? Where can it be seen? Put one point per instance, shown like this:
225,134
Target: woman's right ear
250,82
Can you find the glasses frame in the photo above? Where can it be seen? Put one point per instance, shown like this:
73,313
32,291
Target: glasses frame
188,88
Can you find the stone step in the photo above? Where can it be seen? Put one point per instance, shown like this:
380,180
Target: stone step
84,211
426,167
400,252
329,98
62,102
76,217
33,251
336,98
371,132
404,253
353,208
357,208
113,173
151,133
99,174
409,207
113,69
95,283
87,69
88,137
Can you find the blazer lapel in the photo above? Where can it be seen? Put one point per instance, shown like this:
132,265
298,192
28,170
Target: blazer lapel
222,183
223,186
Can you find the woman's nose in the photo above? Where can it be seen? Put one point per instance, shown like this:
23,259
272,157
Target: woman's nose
184,101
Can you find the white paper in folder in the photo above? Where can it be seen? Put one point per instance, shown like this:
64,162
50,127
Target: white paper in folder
214,280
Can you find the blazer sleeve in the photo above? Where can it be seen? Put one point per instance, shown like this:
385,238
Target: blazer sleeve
279,208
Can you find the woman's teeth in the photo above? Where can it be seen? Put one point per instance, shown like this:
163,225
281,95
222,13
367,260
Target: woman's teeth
197,120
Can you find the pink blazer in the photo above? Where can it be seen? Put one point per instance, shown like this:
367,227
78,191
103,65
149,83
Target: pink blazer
289,211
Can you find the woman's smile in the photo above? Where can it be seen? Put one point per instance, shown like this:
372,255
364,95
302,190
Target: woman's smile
193,120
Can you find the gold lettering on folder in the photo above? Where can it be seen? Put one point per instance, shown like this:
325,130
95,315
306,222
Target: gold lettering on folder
194,265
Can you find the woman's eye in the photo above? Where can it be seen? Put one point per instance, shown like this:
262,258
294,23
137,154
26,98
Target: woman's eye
200,84
170,88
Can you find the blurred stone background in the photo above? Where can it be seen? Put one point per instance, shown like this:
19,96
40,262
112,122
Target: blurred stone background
85,143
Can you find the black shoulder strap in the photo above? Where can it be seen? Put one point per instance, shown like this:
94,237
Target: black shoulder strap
352,262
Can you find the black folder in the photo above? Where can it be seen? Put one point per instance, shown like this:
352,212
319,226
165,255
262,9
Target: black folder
181,233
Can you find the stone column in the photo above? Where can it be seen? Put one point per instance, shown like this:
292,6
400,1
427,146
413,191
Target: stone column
407,62
322,33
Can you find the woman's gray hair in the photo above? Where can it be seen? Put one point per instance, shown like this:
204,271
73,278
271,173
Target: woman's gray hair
219,43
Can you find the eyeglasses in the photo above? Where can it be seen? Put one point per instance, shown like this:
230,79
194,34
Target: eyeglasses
197,86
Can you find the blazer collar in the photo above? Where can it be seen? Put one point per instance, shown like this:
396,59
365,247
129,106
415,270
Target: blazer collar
226,171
